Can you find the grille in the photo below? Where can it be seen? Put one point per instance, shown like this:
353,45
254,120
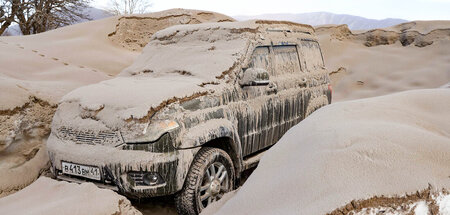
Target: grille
137,178
90,137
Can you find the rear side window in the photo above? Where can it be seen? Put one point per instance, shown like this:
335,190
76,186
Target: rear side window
286,60
261,59
311,54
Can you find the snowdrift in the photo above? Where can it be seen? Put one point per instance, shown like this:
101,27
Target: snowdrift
47,196
390,145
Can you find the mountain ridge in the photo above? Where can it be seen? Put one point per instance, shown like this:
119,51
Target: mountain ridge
325,18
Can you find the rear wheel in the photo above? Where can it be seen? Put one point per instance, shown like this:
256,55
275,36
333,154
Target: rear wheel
211,176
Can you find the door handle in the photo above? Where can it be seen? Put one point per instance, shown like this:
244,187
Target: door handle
303,82
272,89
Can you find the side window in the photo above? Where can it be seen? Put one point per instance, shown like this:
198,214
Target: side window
286,59
311,54
261,59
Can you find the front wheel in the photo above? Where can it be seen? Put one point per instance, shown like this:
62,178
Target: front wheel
211,176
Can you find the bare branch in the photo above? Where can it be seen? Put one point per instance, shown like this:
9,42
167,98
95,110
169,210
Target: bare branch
125,7
36,16
8,8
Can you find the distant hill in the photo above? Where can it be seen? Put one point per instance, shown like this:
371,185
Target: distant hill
91,12
95,13
324,18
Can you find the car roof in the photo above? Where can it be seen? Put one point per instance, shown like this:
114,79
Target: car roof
207,50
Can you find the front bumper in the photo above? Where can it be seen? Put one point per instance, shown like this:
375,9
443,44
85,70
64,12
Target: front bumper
68,178
116,166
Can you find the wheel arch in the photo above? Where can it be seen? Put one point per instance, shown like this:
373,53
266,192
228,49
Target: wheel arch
215,133
226,144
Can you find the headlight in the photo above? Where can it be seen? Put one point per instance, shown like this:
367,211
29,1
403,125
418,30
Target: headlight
162,145
153,131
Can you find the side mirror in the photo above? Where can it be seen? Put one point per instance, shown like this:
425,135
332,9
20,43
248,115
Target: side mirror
254,77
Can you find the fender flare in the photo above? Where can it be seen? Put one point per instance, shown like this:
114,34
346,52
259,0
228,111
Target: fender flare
211,130
315,104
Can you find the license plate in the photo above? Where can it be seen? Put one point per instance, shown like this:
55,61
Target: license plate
81,170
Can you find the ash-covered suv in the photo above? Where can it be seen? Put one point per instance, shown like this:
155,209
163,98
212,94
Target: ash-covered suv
198,107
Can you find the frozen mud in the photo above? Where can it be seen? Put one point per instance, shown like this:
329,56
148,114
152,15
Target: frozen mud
385,146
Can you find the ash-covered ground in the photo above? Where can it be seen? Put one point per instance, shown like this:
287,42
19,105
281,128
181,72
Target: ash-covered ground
37,71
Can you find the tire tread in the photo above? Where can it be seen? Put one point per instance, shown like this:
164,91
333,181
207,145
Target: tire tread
186,197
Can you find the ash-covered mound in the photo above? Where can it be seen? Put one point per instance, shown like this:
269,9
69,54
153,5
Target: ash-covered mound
417,57
423,27
22,150
134,32
420,34
391,145
47,196
36,71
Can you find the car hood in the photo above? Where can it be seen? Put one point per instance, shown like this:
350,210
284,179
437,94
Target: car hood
113,104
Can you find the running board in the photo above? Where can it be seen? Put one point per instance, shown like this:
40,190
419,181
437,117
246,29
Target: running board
252,161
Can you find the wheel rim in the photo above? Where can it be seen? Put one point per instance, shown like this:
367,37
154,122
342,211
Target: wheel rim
215,183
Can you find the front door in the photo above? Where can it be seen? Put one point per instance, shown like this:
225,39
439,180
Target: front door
256,116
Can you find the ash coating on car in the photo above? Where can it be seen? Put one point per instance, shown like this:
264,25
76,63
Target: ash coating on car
248,119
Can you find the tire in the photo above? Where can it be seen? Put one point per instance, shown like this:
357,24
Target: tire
188,200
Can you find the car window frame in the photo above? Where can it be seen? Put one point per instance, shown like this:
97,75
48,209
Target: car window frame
297,51
320,51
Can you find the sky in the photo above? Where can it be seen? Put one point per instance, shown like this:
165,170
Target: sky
374,9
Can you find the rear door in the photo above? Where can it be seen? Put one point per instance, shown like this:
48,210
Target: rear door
288,100
312,61
311,55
